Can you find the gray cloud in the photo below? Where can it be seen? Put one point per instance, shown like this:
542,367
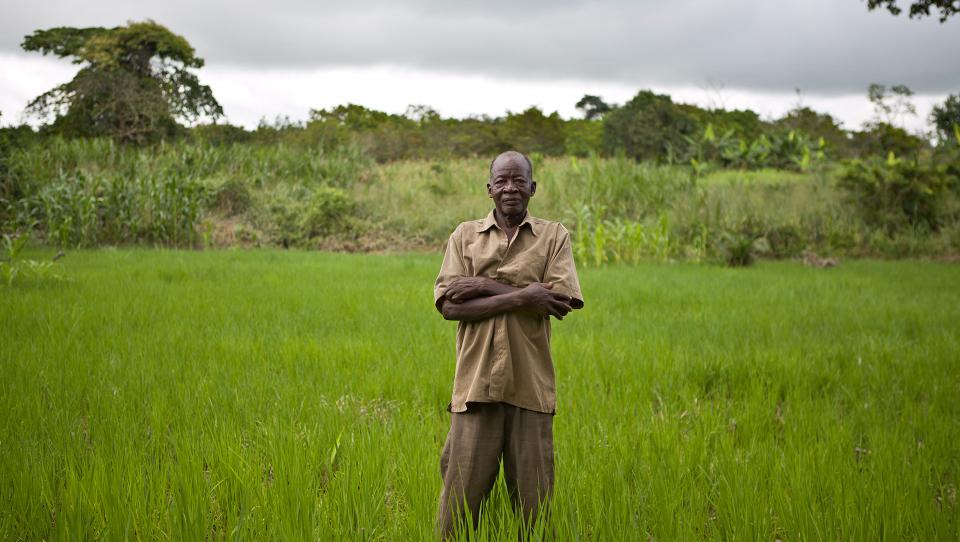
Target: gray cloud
821,46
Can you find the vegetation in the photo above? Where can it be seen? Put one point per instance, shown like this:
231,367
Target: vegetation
82,193
133,85
919,8
269,395
946,119
633,181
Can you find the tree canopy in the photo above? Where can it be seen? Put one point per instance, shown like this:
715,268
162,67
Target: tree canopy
593,107
134,84
946,118
919,8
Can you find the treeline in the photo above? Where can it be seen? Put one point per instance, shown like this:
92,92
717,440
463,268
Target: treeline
649,127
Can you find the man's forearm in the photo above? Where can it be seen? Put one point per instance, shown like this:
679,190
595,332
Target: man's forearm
480,308
495,287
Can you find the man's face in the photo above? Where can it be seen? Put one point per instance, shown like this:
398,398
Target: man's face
510,185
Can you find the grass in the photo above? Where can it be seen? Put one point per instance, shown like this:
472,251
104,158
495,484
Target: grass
291,395
89,193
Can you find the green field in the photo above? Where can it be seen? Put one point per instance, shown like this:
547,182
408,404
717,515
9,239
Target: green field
171,395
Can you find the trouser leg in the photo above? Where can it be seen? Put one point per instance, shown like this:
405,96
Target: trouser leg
469,463
528,460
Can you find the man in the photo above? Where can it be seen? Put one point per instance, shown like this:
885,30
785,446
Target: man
502,278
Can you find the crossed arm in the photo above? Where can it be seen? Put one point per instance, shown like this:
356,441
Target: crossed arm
469,299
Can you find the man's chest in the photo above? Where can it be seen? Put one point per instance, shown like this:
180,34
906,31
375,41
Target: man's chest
519,262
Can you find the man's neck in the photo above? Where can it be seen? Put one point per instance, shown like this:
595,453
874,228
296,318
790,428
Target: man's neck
509,222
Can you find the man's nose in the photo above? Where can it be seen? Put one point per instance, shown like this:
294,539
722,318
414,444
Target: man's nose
510,187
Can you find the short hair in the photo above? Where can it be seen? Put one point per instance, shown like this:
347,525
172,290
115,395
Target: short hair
513,153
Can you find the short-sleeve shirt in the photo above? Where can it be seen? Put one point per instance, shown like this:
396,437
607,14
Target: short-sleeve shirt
506,358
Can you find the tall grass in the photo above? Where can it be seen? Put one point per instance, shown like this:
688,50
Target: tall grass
93,192
291,395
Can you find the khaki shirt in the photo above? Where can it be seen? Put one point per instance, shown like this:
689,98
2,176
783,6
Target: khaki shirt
506,358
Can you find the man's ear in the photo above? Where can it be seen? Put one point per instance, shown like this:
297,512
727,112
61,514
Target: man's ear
533,188
489,193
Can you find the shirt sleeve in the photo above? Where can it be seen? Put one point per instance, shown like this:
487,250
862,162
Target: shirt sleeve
561,271
451,268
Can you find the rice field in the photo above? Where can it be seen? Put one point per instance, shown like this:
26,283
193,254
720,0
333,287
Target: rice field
286,395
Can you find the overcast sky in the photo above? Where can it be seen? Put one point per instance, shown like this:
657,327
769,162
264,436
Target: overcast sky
284,57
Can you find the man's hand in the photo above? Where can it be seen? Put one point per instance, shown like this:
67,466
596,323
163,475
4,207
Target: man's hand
538,297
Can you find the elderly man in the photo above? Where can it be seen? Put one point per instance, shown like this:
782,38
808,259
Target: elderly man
502,278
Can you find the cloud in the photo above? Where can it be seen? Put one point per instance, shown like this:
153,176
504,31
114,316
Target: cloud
249,94
829,47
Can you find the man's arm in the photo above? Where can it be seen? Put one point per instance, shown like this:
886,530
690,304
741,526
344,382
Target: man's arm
467,288
536,298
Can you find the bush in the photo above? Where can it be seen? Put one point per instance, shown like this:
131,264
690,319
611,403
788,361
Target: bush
298,215
894,194
228,195
737,249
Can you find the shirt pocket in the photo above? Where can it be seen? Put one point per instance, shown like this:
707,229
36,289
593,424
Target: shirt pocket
526,265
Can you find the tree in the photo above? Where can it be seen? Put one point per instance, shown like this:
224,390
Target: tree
805,120
134,84
649,127
593,107
533,131
893,105
919,8
946,118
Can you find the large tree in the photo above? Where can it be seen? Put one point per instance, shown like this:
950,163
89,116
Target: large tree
593,107
649,127
134,83
946,118
919,8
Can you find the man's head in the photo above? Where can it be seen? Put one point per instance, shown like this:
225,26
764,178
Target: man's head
511,183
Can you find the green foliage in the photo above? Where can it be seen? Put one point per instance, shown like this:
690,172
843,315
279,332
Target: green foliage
919,8
533,131
895,193
91,192
738,249
891,105
946,119
598,241
300,215
279,395
583,137
649,127
15,268
133,85
790,150
741,123
593,107
220,134
817,126
79,211
228,195
880,139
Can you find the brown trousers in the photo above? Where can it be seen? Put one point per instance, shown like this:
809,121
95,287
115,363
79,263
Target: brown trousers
470,461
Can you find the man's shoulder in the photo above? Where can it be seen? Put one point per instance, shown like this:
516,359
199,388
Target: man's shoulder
551,227
468,226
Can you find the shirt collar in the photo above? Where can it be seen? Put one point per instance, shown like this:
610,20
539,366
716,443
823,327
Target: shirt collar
490,221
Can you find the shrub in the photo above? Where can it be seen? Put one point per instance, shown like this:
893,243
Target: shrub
297,215
228,195
894,193
737,249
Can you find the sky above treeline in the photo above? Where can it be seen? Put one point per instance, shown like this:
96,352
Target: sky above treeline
282,58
